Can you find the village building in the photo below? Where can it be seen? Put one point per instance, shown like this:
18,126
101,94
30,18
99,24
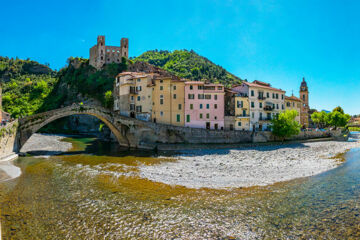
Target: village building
229,107
204,105
242,112
101,54
293,103
168,101
265,102
133,95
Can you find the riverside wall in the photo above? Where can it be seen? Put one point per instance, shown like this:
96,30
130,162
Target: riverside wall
9,141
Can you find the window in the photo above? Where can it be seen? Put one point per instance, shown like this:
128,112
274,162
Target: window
161,88
282,96
215,97
201,115
207,115
161,113
219,88
215,117
201,106
191,106
239,104
161,81
200,87
174,96
277,106
177,117
268,95
273,95
174,87
252,115
260,116
187,118
207,106
252,104
138,79
244,113
191,87
239,124
303,97
140,88
191,96
179,107
132,98
277,96
282,106
161,99
288,104
138,98
207,96
200,96
215,106
252,93
138,109
260,105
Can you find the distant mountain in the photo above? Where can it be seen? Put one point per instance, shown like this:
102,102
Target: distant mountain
188,64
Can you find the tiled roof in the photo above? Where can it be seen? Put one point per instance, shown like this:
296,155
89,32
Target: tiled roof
254,84
293,98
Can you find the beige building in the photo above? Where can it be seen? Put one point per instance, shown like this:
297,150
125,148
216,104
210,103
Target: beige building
293,103
242,112
133,95
265,102
168,101
101,54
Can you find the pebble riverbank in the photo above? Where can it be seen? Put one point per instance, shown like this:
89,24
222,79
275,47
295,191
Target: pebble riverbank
246,167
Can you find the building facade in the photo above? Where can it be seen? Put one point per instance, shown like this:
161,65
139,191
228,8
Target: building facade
133,95
204,105
265,102
304,111
101,54
242,112
168,101
294,103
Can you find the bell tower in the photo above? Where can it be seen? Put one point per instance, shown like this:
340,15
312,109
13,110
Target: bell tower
101,51
304,96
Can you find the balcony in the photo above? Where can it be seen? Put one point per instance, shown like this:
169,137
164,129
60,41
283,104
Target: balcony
265,119
133,91
243,116
268,108
261,97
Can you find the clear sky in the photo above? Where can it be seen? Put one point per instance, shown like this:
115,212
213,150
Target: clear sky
273,41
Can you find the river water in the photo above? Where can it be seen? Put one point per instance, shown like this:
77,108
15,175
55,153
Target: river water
92,192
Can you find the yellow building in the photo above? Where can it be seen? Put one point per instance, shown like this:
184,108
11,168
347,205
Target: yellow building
293,103
168,101
242,112
133,95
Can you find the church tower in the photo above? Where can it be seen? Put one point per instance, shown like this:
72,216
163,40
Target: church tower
304,96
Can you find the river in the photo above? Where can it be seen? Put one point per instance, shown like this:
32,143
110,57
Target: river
86,194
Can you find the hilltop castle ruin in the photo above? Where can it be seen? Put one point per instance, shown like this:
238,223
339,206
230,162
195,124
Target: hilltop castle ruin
101,54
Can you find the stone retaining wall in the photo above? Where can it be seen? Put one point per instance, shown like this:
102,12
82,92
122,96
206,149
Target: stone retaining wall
8,140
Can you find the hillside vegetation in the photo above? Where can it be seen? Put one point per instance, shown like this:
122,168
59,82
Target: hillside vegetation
26,84
189,65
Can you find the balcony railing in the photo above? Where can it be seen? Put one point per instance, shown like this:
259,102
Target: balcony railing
261,97
243,116
265,119
268,108
133,91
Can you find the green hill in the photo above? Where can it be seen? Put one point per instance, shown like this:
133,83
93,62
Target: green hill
188,64
26,84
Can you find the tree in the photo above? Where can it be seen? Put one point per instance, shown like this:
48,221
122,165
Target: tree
338,109
284,125
320,119
109,100
338,119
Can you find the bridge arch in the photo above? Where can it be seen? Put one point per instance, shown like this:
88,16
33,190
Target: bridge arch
32,124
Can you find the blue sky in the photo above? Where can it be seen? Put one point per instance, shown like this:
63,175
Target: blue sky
274,41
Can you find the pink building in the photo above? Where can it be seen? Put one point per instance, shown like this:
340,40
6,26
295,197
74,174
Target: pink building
204,105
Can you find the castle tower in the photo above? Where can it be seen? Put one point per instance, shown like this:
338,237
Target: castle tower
100,51
124,45
304,96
